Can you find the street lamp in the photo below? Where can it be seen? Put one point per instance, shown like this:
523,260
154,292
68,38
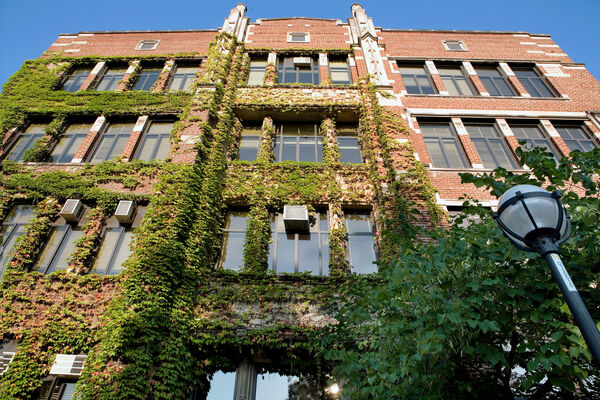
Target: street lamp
535,220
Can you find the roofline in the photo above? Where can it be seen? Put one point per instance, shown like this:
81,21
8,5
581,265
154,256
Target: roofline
280,19
146,31
465,31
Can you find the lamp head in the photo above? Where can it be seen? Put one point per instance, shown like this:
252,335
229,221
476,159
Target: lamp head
533,219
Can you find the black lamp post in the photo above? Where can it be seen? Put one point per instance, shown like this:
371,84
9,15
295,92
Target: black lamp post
535,220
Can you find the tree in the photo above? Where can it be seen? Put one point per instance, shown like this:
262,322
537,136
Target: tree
465,314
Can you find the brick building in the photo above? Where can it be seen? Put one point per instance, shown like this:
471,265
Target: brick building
252,169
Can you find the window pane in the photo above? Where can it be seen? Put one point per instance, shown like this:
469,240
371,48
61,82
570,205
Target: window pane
9,239
65,250
249,147
112,142
76,79
308,253
285,253
362,254
110,80
442,146
68,391
107,249
576,137
256,77
69,143
222,386
233,246
272,387
123,252
50,247
25,141
146,79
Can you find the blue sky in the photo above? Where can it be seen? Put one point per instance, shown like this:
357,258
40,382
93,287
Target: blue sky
27,28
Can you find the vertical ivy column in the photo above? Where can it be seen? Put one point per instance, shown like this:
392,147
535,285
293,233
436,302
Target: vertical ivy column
265,152
331,153
258,236
271,70
87,247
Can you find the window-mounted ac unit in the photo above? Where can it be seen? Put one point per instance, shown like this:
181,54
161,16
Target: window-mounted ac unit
125,212
72,210
7,353
302,61
68,365
295,218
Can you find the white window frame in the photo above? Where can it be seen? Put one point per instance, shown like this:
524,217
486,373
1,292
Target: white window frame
306,37
143,42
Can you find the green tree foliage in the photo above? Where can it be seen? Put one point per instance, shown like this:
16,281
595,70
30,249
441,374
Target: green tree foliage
465,315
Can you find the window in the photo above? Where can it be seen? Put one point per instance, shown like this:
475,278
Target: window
111,78
147,44
361,246
58,248
532,82
13,226
75,79
490,146
533,135
250,142
111,142
339,71
8,348
62,389
183,77
147,78
494,82
298,70
575,136
298,142
348,144
454,45
115,248
455,81
442,145
69,143
291,252
234,235
298,37
155,143
258,68
248,383
416,80
24,141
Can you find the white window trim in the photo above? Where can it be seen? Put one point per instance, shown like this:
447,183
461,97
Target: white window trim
142,42
460,42
306,37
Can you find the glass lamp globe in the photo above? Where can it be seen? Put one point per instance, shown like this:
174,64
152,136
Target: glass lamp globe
528,213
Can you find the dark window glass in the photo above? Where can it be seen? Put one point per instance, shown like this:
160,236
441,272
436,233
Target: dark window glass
258,68
61,389
111,78
183,78
75,79
298,37
575,136
300,252
532,82
348,144
455,81
490,146
24,141
148,45
493,81
69,142
147,78
454,45
13,226
533,137
416,80
361,246
288,72
112,142
442,145
155,143
250,142
339,71
234,235
58,248
298,142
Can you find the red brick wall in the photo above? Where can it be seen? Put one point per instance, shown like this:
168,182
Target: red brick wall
124,43
323,33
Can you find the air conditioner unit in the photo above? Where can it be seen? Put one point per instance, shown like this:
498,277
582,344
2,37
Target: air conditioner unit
68,365
295,218
125,211
302,61
7,353
72,210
